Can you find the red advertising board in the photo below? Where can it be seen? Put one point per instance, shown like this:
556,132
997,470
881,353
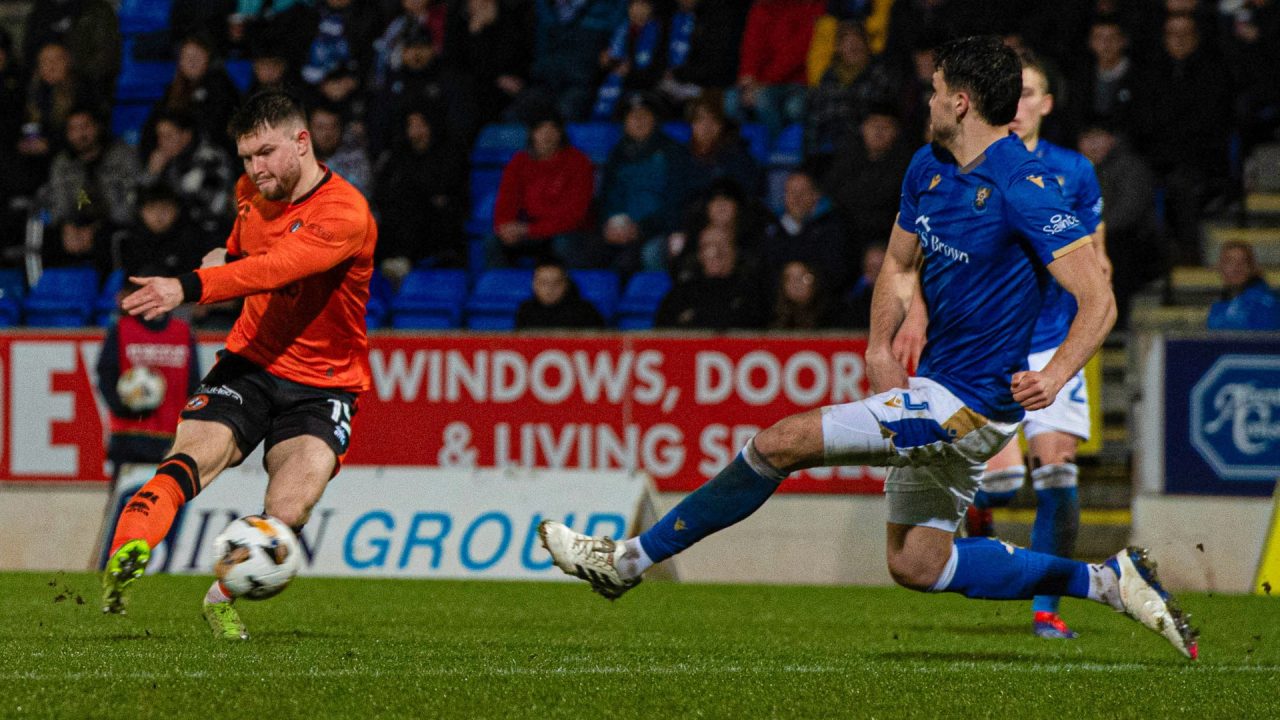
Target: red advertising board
676,407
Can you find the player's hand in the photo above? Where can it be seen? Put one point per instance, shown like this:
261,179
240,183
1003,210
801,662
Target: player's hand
214,258
907,346
884,371
1034,390
157,296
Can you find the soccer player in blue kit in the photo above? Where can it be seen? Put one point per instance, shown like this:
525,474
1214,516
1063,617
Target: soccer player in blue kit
986,224
1052,433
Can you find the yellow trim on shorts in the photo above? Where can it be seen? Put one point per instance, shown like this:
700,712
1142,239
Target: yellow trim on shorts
963,422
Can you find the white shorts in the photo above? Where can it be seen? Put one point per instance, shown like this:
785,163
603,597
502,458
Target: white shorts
1069,412
937,447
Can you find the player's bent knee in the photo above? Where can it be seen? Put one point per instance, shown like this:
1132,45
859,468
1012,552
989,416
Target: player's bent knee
914,572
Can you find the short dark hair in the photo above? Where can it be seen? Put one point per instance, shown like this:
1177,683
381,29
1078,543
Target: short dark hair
984,67
1044,67
267,109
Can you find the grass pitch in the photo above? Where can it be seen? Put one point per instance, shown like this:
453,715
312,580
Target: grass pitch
427,649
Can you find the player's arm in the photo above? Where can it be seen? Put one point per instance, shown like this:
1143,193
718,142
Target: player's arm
1100,248
890,303
1079,271
908,344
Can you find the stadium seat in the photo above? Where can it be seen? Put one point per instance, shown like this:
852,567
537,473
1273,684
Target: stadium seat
596,139
600,288
127,120
788,147
484,195
62,297
375,315
13,288
429,299
678,131
497,143
497,295
241,73
143,16
640,301
141,80
757,139
106,304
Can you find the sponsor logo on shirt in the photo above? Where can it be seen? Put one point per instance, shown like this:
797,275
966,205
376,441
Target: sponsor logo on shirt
1058,223
932,243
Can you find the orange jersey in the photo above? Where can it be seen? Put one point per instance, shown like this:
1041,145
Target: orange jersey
304,275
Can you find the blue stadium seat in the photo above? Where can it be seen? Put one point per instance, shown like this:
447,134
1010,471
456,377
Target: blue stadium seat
105,306
241,73
13,288
141,80
484,195
757,139
641,298
375,314
600,288
678,131
127,120
430,299
596,139
788,147
142,16
62,297
497,295
497,143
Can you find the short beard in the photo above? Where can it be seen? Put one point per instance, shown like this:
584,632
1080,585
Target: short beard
944,134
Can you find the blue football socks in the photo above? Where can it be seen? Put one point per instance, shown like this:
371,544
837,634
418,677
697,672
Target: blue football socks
1057,518
988,569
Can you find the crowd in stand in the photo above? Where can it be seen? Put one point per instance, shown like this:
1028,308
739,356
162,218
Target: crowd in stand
1164,96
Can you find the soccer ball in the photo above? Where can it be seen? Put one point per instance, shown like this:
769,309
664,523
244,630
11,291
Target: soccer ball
257,556
141,389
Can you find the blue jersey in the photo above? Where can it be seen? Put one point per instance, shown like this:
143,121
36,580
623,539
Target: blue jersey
988,232
1079,183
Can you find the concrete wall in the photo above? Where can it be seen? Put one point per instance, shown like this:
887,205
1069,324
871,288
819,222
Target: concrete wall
1203,543
50,526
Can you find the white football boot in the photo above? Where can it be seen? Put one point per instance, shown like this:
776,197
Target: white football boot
1139,595
586,557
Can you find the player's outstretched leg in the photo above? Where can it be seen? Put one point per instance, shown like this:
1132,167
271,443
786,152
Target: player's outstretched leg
124,566
1139,595
1055,530
614,567
223,619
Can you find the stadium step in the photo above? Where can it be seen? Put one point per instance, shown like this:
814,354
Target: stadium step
1265,241
1262,204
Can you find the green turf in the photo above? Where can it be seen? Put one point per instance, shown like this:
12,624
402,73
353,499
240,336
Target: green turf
387,648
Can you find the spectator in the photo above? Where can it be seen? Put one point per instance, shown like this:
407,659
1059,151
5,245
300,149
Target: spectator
569,35
199,171
1133,240
416,16
1252,47
543,199
10,95
723,206
914,101
1107,91
53,91
807,230
1187,115
859,298
1247,303
865,178
802,302
159,236
278,22
166,345
340,149
642,190
556,301
847,90
82,241
211,18
702,48
772,74
490,45
341,35
93,173
633,60
11,118
202,90
271,69
718,297
421,82
716,149
418,199
87,29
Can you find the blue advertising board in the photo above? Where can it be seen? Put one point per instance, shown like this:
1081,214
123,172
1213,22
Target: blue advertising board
1222,416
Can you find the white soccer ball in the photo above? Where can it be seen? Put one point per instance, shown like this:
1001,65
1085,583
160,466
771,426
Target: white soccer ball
256,557
141,389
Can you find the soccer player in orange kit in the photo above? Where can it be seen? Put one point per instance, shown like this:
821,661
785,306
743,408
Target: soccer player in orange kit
301,255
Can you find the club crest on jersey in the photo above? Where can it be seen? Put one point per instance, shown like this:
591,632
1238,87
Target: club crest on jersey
293,228
197,402
934,182
980,199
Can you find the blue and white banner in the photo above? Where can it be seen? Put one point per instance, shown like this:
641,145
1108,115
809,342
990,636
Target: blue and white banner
1222,416
412,522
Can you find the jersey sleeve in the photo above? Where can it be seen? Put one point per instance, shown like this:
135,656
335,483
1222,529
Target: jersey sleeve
335,233
912,187
1088,206
1037,210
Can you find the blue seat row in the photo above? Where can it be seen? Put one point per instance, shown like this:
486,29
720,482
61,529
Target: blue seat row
431,299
